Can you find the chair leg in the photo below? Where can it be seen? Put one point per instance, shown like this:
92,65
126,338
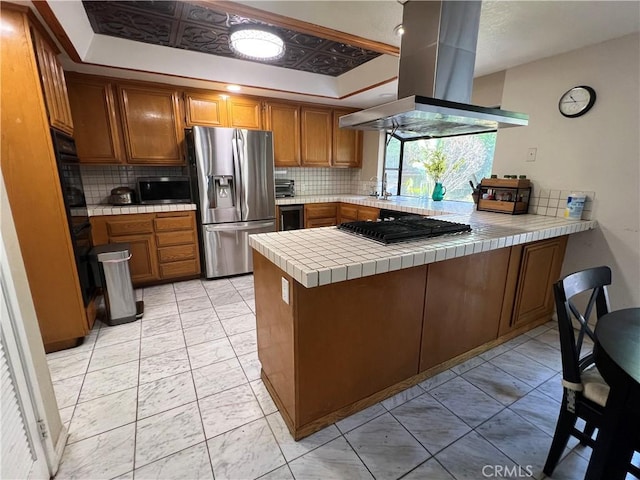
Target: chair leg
566,422
589,428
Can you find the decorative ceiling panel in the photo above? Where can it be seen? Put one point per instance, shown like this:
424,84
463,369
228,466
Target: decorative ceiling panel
194,27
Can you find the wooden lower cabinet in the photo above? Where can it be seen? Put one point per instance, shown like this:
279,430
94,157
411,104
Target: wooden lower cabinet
144,262
320,215
352,213
533,269
368,213
336,349
462,305
347,213
164,246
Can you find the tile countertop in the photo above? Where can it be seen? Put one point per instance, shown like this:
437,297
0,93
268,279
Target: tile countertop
97,210
403,204
326,255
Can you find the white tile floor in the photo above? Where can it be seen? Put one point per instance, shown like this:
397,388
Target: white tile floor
178,395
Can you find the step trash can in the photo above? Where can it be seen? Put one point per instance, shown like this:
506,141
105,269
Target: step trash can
115,280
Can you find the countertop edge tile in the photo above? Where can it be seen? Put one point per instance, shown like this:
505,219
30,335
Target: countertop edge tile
101,210
318,262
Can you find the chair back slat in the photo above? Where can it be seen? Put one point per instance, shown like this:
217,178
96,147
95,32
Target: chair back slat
595,280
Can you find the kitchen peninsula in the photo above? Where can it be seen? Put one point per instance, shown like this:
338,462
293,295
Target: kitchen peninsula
344,322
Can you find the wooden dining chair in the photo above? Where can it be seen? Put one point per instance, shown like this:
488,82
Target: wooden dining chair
585,392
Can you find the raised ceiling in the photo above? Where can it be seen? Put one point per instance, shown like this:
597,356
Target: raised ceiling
511,33
206,30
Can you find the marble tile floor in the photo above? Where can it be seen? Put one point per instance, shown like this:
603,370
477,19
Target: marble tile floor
178,395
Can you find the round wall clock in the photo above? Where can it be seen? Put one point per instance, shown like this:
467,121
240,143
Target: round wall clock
577,101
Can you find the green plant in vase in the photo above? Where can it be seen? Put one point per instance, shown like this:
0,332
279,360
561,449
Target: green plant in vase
435,164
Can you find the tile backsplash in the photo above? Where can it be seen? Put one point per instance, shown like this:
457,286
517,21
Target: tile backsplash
99,180
552,202
320,181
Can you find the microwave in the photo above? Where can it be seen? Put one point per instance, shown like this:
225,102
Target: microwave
159,190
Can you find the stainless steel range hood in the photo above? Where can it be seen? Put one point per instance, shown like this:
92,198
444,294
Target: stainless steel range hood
435,78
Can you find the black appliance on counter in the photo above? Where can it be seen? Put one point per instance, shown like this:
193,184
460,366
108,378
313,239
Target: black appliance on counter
403,229
76,208
163,190
291,217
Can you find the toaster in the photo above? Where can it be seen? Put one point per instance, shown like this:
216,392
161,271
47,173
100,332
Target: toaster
285,188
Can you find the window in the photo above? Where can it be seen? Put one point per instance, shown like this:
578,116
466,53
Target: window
468,157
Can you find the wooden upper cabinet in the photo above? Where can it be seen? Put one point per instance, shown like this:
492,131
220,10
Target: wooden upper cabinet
244,112
205,108
283,119
153,132
347,144
97,125
53,84
317,125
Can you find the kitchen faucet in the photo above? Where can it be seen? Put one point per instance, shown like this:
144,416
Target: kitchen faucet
385,194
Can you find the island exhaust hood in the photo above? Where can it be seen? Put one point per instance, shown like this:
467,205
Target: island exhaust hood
435,78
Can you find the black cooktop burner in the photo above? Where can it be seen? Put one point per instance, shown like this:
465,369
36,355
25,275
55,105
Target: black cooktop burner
403,229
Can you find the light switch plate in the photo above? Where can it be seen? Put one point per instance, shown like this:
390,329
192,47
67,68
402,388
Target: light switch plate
285,290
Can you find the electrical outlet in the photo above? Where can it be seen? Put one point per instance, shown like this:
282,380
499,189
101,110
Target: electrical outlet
285,290
531,154
301,187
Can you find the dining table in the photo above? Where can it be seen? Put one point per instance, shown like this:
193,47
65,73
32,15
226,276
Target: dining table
617,357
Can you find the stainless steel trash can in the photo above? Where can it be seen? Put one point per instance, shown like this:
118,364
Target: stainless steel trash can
119,297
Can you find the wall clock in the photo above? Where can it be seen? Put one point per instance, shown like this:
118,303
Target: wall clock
577,101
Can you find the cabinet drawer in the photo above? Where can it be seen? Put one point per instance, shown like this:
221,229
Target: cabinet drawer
164,224
178,252
180,237
182,268
117,228
320,210
320,222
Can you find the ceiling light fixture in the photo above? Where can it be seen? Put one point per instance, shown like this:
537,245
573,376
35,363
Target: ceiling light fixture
399,30
234,88
255,42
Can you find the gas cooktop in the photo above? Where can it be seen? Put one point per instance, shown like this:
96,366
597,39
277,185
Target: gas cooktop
403,229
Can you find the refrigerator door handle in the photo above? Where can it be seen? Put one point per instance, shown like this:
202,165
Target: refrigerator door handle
237,173
238,226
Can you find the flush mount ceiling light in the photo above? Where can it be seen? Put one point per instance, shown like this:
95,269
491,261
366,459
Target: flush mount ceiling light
399,30
255,42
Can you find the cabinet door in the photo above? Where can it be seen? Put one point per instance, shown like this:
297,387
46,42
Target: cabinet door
348,213
97,129
283,119
144,258
205,108
53,84
539,268
368,213
320,210
152,130
244,113
317,124
347,144
462,305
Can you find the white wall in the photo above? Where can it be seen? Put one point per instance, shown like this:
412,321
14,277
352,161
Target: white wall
598,151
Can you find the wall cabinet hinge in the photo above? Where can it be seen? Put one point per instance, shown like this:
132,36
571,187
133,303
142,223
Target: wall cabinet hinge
42,427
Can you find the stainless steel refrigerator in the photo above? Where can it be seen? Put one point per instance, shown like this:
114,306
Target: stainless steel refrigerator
232,179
